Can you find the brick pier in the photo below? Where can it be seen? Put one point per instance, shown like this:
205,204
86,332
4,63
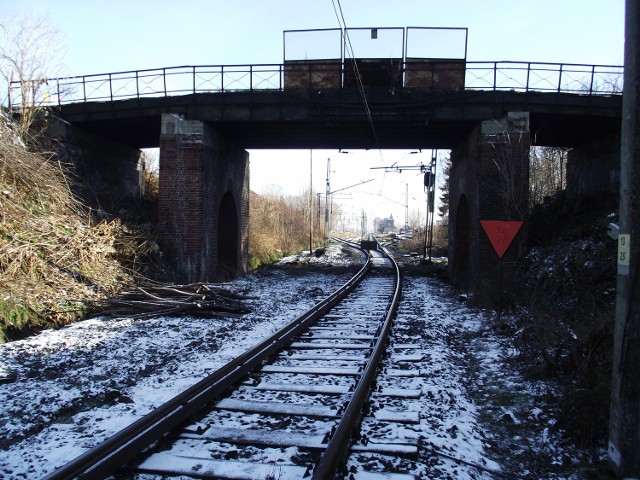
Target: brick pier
203,207
489,180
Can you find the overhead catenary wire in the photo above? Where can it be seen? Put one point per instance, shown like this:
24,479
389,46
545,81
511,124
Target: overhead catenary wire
337,8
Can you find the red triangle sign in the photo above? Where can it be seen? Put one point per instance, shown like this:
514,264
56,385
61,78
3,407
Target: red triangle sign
501,233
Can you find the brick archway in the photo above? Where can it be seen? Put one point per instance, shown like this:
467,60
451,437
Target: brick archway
488,180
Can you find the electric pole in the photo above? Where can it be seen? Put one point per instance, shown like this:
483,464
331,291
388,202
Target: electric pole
310,202
327,196
406,208
624,421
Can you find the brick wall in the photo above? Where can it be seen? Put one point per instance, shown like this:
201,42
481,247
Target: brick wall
198,167
488,181
463,210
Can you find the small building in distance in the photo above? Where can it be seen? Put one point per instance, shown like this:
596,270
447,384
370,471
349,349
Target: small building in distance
385,225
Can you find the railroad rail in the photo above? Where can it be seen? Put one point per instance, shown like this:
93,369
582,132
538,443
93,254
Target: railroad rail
304,390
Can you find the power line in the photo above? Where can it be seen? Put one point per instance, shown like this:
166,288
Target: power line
356,71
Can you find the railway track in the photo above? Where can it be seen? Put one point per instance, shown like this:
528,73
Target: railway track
298,405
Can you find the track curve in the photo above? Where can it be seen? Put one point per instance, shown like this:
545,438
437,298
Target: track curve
308,384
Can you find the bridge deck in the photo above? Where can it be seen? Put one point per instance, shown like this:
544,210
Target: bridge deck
338,119
415,103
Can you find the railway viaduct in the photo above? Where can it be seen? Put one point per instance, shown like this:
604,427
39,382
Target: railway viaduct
488,114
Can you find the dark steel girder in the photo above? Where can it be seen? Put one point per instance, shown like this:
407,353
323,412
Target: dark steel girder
339,119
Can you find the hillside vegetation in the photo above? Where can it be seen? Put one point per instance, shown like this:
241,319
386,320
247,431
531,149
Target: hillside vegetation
58,257
570,295
54,255
279,226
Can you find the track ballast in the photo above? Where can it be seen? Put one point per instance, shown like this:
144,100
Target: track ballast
298,411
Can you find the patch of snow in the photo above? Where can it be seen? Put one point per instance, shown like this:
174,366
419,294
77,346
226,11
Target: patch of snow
76,386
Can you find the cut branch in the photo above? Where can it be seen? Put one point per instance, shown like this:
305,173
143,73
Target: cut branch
196,299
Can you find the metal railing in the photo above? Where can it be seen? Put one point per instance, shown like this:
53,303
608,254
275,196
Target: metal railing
183,80
545,77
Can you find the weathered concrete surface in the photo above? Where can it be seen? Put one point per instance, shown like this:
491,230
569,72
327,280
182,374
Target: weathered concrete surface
335,118
624,422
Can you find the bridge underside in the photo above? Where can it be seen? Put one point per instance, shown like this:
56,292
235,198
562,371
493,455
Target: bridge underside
337,119
204,168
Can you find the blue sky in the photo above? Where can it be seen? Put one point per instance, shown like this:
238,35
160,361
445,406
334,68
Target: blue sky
122,35
117,35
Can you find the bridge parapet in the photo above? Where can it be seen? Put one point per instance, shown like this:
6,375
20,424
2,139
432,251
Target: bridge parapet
577,79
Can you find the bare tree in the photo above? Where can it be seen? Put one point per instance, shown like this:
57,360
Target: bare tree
508,186
547,173
278,223
30,53
416,219
608,82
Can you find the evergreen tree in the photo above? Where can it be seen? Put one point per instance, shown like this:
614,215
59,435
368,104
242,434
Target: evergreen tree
443,208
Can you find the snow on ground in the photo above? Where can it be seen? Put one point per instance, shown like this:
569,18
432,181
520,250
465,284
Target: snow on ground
76,386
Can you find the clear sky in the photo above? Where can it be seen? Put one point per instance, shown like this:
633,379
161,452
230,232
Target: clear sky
118,35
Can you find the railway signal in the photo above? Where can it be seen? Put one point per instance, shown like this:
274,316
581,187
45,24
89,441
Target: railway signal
429,172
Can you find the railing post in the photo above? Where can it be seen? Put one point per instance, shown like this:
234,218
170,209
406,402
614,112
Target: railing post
58,89
193,72
528,75
137,85
495,75
593,74
222,78
84,88
164,80
110,88
251,79
560,79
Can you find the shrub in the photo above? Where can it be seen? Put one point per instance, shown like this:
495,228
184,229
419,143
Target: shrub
566,333
278,226
53,254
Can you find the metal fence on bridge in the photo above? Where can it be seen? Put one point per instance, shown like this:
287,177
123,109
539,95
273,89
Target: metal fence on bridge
499,76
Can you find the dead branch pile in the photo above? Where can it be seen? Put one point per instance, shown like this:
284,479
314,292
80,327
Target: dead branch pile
163,300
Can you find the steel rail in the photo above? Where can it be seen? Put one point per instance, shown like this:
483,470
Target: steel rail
106,457
337,450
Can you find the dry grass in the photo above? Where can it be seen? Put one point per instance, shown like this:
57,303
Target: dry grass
53,255
566,332
439,242
279,226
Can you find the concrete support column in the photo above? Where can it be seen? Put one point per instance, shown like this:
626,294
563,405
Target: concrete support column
203,203
489,180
